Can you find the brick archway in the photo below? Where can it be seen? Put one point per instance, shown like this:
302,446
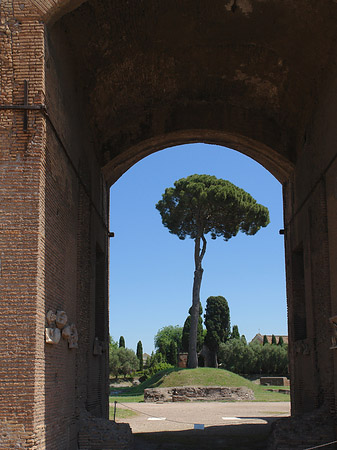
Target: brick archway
107,84
52,10
278,166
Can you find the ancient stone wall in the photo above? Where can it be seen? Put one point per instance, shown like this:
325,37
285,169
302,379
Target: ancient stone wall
198,393
106,85
311,250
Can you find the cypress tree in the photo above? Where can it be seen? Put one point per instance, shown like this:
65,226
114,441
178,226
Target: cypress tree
235,332
121,342
186,332
172,357
265,340
217,322
273,339
140,355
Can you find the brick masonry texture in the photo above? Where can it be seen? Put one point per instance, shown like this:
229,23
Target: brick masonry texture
116,84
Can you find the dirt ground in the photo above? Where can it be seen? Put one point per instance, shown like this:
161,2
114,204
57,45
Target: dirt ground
227,426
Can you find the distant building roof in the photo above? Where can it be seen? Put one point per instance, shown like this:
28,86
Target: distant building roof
258,338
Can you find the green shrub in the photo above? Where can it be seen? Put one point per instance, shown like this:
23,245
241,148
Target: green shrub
155,368
237,357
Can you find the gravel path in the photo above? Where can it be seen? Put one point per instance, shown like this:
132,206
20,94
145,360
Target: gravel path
239,425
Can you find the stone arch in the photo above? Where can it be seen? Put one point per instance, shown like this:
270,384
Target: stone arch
143,81
120,80
51,10
277,165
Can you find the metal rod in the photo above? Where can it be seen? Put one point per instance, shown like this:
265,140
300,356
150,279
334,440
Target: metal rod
43,109
25,103
115,411
23,107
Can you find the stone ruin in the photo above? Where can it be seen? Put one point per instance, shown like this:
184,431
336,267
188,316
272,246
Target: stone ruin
198,393
88,89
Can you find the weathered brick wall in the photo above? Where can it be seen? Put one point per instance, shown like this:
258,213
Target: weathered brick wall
76,207
311,236
53,205
54,200
22,166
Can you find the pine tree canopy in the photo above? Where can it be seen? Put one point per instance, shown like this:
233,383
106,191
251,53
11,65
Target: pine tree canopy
202,204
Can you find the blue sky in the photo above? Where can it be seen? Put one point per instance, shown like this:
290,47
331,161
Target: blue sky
151,270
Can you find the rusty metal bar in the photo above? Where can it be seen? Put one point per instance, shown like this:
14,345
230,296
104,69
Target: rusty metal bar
23,107
25,103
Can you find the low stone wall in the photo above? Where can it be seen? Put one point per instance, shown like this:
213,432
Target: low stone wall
274,381
96,433
198,393
299,432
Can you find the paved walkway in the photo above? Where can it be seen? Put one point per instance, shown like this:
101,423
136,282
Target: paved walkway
220,426
154,417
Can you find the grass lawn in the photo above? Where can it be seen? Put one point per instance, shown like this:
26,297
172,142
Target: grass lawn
121,413
197,377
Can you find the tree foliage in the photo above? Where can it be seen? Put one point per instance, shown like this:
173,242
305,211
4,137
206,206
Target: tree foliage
273,339
236,356
172,356
112,342
235,332
122,361
156,363
280,341
265,340
202,204
129,361
164,337
122,342
217,322
114,362
186,332
140,354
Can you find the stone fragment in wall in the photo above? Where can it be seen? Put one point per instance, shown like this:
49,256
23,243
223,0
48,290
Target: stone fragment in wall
53,336
61,319
98,347
51,317
73,338
66,332
302,347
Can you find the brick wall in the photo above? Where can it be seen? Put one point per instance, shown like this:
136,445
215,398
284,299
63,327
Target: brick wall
53,246
53,214
310,224
22,167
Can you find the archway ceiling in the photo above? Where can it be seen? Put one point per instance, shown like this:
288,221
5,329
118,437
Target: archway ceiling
252,68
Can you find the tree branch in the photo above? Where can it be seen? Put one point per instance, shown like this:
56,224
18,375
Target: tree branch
203,251
197,252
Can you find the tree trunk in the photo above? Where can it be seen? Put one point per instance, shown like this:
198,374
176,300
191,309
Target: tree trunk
214,359
192,347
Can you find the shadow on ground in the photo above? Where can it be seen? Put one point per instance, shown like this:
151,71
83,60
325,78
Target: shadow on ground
227,437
